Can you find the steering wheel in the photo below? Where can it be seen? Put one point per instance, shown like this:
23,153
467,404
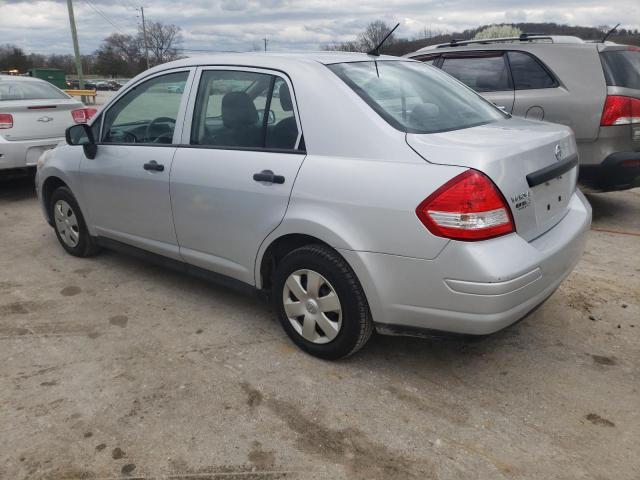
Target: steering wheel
165,134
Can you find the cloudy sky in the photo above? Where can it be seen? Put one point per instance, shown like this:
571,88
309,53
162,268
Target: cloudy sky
240,25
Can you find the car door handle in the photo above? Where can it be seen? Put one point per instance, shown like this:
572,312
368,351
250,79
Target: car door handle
268,176
153,166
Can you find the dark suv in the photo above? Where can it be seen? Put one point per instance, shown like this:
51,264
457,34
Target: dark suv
594,88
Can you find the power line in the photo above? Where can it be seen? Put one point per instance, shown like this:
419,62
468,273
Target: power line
104,16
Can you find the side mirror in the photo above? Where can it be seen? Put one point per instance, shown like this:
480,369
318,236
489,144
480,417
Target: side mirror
81,134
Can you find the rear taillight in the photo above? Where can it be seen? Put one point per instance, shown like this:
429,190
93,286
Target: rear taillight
619,110
468,207
6,120
82,115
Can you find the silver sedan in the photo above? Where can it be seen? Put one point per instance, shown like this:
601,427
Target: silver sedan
358,193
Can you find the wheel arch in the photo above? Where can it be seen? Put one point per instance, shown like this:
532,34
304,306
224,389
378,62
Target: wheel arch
276,250
49,186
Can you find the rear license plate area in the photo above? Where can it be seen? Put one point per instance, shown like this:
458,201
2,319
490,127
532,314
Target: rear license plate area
551,198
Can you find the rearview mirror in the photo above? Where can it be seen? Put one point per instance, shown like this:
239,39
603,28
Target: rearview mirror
81,134
271,119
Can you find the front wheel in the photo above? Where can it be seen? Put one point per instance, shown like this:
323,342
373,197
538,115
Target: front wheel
320,303
69,224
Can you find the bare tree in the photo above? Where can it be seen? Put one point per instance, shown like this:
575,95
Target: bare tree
366,40
374,34
163,41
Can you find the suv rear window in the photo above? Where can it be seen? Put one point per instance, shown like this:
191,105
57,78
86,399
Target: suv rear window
528,73
29,91
415,98
483,74
622,68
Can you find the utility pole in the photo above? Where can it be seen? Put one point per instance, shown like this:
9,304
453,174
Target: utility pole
76,47
144,36
266,41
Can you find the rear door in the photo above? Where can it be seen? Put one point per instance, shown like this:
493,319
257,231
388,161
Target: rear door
233,173
538,94
485,72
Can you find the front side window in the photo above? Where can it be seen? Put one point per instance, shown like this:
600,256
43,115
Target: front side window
528,73
11,90
483,74
147,113
239,109
416,98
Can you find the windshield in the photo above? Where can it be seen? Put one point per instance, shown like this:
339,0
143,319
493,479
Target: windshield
28,91
416,98
622,68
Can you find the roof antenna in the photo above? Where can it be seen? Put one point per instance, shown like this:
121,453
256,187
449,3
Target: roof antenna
375,52
609,33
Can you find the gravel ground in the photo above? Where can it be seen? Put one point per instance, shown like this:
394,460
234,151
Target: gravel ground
110,367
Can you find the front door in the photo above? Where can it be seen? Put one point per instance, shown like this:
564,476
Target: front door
230,185
126,186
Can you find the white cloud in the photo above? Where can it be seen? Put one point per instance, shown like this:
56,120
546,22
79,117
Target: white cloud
43,26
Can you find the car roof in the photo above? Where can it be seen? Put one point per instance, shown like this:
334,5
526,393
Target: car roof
273,60
20,78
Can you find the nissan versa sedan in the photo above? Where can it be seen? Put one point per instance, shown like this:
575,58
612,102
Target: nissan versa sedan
358,192
33,117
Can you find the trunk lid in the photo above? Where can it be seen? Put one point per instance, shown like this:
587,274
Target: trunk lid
519,156
34,119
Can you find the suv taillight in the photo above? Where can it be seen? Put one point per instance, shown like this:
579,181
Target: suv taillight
468,207
83,115
6,120
619,110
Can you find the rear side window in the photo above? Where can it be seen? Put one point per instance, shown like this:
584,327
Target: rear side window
622,68
29,91
483,74
239,109
528,73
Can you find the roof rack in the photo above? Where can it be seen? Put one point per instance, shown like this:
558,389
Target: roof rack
524,37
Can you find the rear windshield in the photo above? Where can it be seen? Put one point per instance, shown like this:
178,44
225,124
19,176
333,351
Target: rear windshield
622,68
28,91
416,98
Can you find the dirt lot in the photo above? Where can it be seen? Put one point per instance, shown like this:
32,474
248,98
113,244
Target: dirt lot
111,367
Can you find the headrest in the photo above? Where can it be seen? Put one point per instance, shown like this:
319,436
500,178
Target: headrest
285,98
238,110
424,114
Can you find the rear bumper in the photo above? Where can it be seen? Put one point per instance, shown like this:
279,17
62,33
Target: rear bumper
24,153
472,288
619,171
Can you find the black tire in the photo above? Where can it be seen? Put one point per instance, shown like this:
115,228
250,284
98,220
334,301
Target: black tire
86,246
357,325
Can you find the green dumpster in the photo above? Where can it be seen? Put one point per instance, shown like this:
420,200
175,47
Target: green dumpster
51,75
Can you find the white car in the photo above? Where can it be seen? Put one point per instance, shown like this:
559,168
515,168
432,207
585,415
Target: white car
33,117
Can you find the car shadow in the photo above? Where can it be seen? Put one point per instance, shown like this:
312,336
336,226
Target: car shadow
616,210
16,186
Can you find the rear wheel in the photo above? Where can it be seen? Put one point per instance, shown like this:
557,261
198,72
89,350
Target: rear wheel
320,303
69,224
